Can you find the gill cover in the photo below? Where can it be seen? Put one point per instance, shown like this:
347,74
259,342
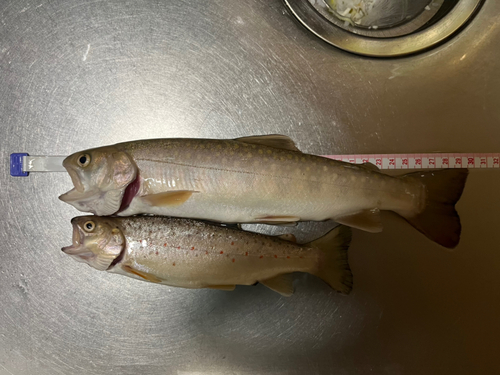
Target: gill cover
100,177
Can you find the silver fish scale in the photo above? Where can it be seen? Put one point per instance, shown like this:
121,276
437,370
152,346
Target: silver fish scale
233,181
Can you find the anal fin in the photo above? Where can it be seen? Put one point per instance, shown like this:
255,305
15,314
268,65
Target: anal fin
367,220
281,284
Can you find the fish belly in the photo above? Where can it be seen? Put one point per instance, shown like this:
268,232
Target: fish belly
201,268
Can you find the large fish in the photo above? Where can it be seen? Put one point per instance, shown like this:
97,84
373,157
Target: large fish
193,254
262,179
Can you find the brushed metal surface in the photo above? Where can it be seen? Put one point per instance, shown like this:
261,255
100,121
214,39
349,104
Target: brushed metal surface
78,74
382,43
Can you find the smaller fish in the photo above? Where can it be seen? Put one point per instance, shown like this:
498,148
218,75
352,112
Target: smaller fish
193,254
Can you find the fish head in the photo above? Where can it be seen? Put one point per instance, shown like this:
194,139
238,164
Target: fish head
100,177
97,241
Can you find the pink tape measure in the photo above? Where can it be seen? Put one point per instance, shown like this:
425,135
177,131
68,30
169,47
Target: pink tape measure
424,161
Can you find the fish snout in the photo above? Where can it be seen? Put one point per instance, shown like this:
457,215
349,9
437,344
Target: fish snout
75,177
77,239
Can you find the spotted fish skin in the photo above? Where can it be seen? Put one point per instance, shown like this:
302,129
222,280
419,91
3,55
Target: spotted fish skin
237,182
193,254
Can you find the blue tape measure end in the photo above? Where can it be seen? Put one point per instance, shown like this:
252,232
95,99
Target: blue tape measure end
16,165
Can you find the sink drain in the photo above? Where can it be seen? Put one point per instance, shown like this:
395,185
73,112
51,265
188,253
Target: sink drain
385,28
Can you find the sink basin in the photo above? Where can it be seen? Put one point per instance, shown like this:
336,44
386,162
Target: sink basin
384,28
79,74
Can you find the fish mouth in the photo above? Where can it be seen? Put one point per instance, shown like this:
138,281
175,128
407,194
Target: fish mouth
77,241
75,179
73,174
74,195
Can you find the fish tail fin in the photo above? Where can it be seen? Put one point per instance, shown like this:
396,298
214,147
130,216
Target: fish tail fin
439,220
333,267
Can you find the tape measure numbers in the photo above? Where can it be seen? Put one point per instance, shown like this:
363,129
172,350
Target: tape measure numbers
424,161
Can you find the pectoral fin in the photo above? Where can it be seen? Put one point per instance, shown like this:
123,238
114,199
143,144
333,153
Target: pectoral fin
168,198
146,276
281,284
272,140
228,288
367,220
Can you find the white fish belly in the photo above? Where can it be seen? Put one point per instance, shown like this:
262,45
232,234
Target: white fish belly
195,269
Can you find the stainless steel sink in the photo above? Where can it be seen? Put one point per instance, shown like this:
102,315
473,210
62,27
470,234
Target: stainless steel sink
384,28
78,74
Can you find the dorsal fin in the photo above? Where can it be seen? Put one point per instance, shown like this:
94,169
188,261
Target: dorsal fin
271,140
370,166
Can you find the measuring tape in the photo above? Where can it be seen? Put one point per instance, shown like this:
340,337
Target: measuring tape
21,164
424,161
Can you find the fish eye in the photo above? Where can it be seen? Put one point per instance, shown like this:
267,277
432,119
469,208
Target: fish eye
89,226
84,160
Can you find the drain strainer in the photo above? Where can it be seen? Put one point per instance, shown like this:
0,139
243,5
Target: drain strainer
384,28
